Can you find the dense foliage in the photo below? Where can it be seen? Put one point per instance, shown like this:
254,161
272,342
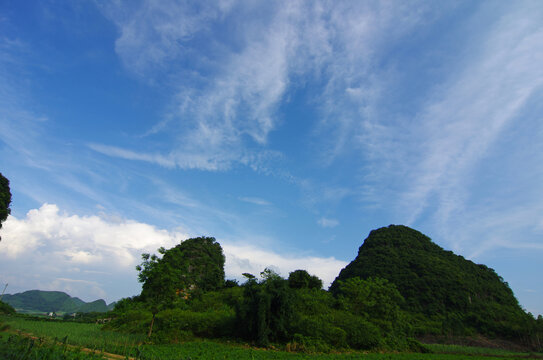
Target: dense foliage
195,264
443,292
266,312
190,268
301,279
6,308
5,199
401,285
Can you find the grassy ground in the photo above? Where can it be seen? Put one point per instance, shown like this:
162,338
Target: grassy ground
90,336
212,350
14,347
78,334
472,350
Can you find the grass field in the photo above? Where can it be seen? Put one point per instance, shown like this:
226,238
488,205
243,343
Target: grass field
78,334
14,347
212,350
90,336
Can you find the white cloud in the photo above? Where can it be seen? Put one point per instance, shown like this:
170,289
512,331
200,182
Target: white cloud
95,256
131,155
241,258
230,87
255,200
82,239
326,222
458,129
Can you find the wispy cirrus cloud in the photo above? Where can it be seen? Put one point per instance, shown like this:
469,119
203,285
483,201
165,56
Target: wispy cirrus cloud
255,201
475,108
434,168
229,91
327,222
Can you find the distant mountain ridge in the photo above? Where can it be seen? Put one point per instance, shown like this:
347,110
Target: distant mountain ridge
53,301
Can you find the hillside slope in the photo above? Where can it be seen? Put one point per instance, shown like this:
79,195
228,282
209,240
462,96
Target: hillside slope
437,283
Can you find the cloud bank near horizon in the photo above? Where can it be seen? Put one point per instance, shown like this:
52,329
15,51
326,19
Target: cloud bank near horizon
52,250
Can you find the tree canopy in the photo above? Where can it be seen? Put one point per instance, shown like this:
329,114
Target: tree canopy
5,199
196,263
301,279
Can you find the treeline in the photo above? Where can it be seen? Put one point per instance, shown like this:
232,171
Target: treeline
272,310
184,295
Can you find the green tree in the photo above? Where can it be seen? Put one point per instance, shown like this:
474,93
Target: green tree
5,199
301,279
200,262
266,310
159,284
195,264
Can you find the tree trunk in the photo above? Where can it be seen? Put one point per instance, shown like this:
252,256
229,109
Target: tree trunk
151,326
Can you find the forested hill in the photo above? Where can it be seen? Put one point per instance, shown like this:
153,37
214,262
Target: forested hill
52,301
435,282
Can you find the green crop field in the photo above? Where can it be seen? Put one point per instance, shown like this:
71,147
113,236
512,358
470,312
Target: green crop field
212,350
78,334
14,347
92,337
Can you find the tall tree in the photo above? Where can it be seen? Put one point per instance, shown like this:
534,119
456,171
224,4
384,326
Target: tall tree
195,264
267,309
301,279
159,284
200,262
5,199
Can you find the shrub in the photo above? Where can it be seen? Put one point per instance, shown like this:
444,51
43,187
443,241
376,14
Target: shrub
183,323
308,344
361,333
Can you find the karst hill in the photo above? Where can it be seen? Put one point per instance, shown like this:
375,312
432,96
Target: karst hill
444,291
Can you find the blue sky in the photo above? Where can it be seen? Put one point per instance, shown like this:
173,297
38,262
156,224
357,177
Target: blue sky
287,130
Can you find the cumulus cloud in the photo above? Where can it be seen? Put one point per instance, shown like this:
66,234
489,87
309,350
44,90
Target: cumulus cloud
95,256
242,258
82,239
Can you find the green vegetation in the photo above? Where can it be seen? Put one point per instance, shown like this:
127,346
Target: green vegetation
400,286
98,306
213,350
192,267
78,334
5,199
38,301
443,293
85,335
15,347
301,279
6,308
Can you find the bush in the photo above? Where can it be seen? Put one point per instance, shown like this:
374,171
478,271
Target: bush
6,308
362,334
318,327
131,321
266,311
308,344
177,324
